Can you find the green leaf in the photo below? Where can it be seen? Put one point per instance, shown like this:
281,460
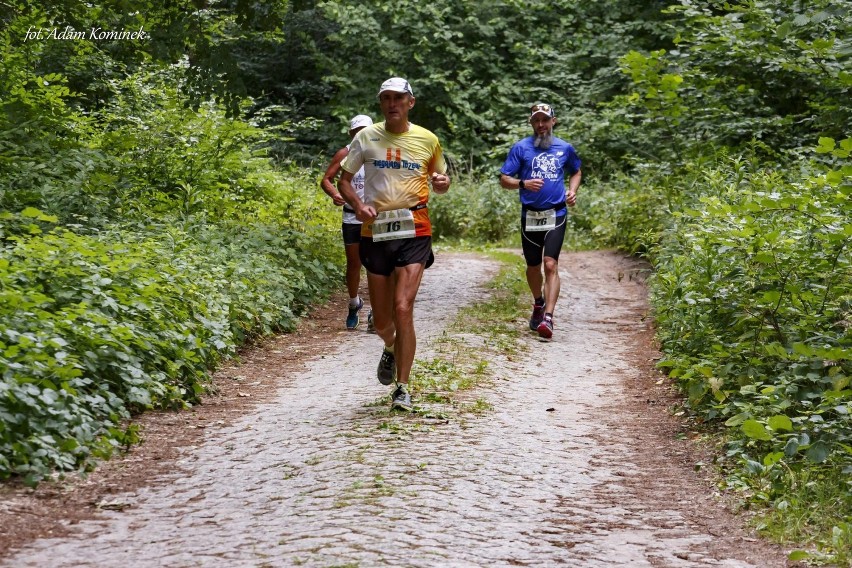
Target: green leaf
755,430
797,555
31,212
772,458
818,452
825,145
780,422
791,447
803,349
737,419
772,296
764,257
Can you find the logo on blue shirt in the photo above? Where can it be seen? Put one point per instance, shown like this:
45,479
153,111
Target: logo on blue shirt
545,166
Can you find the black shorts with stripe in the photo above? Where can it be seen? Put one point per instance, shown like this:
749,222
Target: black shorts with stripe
539,244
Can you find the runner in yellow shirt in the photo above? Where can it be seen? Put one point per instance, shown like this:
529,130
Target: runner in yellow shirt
401,160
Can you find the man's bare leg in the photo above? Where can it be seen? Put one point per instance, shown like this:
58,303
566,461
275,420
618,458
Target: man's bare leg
552,284
353,270
407,284
535,280
381,300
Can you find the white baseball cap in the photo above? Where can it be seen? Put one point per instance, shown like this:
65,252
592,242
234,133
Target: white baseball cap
542,108
396,84
359,121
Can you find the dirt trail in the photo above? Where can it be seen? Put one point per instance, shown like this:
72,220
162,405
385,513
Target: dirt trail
577,463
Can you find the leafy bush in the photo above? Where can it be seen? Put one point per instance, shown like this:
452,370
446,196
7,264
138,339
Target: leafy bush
171,160
627,212
753,298
92,329
97,326
753,303
271,274
167,239
475,209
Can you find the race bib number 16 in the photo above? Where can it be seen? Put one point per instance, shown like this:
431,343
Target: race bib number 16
392,225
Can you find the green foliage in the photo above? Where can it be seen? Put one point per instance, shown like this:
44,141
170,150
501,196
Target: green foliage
93,329
753,303
628,212
271,274
738,71
173,160
475,209
477,66
753,294
813,514
97,327
141,243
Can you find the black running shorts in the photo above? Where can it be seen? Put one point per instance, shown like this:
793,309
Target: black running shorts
538,244
383,257
351,233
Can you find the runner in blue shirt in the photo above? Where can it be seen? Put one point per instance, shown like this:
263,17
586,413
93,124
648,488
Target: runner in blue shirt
536,166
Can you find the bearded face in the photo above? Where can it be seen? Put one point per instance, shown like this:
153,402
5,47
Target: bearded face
542,126
543,141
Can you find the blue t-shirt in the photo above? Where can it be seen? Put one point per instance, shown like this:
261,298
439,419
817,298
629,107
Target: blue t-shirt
525,161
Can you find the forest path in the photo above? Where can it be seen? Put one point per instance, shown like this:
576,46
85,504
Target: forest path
577,462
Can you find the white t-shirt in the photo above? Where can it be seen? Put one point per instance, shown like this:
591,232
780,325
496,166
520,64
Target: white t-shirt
358,185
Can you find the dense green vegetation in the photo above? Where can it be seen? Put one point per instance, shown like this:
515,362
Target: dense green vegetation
158,201
741,199
146,235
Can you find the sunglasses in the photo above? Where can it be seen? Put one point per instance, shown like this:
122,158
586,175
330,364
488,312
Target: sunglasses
547,109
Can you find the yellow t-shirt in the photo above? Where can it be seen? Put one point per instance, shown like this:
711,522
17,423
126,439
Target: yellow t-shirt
396,170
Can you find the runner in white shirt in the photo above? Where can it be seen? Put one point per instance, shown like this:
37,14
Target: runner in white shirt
351,224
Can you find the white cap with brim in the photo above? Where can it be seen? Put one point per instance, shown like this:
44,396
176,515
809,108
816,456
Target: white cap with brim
542,108
359,121
396,84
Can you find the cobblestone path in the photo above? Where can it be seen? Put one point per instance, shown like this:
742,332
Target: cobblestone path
326,476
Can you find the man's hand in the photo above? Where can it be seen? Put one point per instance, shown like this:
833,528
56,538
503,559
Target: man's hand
440,182
365,213
571,197
534,184
338,200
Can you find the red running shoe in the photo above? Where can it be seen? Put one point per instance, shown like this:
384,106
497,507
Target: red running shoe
545,328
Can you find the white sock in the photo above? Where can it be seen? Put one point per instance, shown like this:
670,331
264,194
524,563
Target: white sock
353,302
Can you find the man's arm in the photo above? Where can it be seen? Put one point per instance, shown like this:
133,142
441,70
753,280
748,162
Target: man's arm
362,212
509,182
573,185
327,183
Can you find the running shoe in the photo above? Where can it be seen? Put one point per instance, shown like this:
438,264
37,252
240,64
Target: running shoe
537,316
545,328
387,368
352,320
370,327
401,399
